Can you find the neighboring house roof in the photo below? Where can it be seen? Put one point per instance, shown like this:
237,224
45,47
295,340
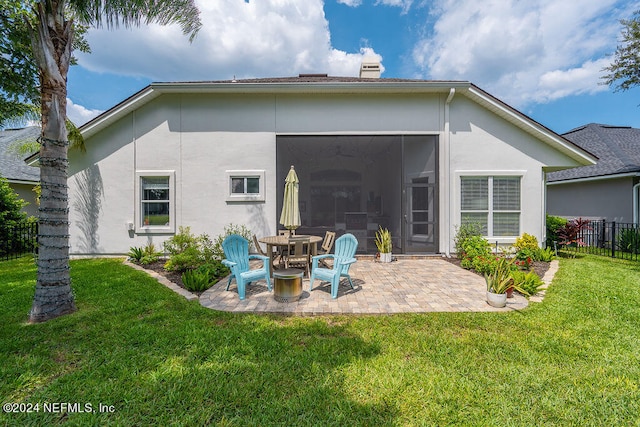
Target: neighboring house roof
617,147
323,84
13,166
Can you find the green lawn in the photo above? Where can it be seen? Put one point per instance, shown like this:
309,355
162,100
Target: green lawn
160,360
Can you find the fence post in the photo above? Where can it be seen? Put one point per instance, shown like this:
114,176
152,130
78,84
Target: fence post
613,239
602,234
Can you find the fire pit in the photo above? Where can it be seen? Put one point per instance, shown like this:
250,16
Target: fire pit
287,285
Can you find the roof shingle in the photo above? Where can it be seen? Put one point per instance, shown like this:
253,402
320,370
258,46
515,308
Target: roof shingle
12,166
617,147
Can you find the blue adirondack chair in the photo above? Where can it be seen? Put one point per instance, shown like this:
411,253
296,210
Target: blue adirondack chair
343,257
236,249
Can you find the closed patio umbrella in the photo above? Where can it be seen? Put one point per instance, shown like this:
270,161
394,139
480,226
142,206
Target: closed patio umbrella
290,216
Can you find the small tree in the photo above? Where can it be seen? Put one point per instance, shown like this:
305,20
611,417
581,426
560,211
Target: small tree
570,234
624,71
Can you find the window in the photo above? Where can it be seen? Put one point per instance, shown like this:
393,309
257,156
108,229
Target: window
493,202
155,195
245,185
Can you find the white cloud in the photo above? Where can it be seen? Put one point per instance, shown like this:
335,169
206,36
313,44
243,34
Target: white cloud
265,38
522,52
351,3
78,114
404,4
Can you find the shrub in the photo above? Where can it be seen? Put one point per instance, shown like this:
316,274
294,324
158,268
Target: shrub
527,283
474,247
230,229
196,280
629,240
135,254
484,264
570,233
554,223
188,252
144,256
149,254
545,255
526,241
464,233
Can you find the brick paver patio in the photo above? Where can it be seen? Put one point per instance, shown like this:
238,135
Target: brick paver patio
406,285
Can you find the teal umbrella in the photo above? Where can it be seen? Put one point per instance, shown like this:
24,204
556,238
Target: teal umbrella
290,216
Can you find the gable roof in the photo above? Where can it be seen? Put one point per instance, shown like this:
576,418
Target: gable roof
324,84
12,166
617,147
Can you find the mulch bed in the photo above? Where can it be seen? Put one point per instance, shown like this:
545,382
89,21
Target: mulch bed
539,267
176,278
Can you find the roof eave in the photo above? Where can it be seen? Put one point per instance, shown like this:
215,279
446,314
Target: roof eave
532,127
156,89
594,178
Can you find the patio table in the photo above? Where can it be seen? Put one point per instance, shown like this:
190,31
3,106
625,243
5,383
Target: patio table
283,241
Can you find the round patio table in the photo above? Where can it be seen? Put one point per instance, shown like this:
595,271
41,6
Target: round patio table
282,241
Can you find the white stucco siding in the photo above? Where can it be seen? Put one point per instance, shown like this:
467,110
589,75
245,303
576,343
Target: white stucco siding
483,144
101,192
361,114
204,187
198,138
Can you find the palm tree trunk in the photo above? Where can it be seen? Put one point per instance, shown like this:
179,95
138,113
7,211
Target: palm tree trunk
51,42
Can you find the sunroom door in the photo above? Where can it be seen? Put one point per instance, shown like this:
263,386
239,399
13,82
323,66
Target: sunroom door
420,191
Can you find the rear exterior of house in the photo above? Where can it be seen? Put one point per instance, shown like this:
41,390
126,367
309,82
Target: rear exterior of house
417,157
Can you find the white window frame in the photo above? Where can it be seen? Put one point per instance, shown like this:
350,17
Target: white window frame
244,174
490,211
155,229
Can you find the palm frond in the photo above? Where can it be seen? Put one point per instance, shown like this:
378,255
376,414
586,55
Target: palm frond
132,13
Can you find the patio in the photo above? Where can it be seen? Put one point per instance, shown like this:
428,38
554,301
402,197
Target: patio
415,285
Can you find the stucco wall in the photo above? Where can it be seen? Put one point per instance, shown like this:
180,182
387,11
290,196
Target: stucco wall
484,144
611,199
200,136
26,193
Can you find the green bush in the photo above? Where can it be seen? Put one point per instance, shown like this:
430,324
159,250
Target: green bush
464,233
545,255
144,256
196,280
629,240
230,229
554,223
526,241
188,252
474,247
135,254
526,283
485,264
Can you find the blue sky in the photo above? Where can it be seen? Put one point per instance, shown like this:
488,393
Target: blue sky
543,57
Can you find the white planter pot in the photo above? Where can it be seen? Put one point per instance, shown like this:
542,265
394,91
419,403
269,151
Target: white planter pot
385,257
496,300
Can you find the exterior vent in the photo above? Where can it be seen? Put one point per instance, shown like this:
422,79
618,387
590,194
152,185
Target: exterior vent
313,75
370,69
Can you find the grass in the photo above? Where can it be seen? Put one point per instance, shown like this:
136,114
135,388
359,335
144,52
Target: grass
160,360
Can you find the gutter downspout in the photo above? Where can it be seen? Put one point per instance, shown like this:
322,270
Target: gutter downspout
636,208
447,166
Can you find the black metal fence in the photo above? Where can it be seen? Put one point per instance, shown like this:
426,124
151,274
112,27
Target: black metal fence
18,240
614,239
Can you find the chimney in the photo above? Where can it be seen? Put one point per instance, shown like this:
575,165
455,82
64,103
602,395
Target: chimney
370,68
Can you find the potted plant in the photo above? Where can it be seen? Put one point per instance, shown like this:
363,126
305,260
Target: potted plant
384,244
499,281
